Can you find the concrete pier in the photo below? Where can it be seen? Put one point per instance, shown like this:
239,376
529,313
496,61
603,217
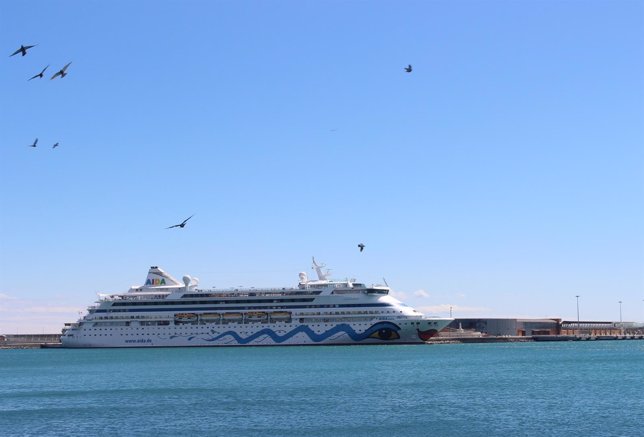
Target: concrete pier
28,341
522,339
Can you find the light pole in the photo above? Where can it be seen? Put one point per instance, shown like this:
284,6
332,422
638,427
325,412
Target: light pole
578,330
621,325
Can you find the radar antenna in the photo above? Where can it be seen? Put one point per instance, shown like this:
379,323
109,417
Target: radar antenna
322,275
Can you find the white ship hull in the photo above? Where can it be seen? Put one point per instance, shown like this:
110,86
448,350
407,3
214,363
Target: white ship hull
286,334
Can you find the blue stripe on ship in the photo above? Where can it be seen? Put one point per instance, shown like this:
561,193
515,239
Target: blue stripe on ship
316,338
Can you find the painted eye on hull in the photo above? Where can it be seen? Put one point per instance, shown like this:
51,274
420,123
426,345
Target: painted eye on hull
385,334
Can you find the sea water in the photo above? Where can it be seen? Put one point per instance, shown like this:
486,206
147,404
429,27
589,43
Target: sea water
512,389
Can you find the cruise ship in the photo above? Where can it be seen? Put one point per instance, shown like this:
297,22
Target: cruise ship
166,313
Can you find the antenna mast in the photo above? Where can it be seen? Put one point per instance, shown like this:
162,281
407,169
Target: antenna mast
322,276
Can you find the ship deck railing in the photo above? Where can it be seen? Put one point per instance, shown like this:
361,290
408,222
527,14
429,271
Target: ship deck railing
115,297
237,292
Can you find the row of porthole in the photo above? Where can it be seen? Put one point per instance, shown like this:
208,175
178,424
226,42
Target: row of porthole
193,333
203,333
317,325
335,319
137,328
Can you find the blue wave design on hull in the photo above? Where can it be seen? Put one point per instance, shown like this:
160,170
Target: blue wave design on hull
315,337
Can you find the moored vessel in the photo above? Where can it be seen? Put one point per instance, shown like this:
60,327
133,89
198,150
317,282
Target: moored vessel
163,312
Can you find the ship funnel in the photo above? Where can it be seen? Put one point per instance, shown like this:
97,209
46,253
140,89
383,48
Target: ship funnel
159,278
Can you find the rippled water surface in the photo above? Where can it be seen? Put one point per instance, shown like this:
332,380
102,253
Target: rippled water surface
563,388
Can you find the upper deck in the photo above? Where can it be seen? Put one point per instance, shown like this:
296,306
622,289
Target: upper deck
161,286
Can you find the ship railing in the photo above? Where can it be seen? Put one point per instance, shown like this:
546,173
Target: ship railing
238,292
116,297
146,297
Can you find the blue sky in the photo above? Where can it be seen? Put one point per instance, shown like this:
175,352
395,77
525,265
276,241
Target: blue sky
501,178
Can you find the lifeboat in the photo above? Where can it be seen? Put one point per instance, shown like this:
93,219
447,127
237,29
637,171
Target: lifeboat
210,317
258,316
185,317
232,317
279,316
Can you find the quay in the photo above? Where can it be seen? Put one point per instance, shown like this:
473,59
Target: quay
29,341
26,341
524,339
460,330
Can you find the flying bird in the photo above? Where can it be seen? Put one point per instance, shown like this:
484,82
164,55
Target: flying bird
182,224
61,72
408,68
361,246
41,74
54,146
34,144
23,50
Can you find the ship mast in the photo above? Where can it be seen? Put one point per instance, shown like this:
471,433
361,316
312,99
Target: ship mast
322,276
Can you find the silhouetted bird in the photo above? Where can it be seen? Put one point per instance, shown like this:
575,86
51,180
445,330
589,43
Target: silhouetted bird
361,246
408,68
182,224
41,74
61,72
34,144
54,146
23,50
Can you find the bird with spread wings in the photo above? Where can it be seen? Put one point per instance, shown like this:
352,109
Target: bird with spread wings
22,50
182,224
62,72
40,75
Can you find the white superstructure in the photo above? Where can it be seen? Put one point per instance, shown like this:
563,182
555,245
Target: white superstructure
164,312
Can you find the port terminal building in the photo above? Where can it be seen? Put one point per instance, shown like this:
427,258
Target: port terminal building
500,327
